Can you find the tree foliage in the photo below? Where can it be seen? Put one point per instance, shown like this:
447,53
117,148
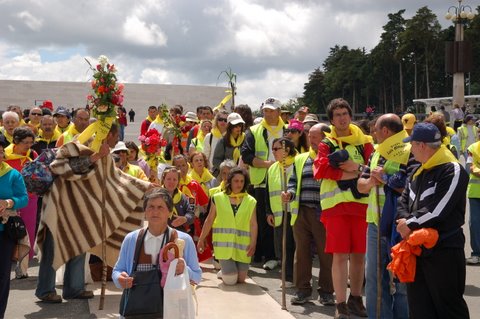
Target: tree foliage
407,63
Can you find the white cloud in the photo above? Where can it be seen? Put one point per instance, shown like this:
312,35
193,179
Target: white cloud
139,32
30,20
281,84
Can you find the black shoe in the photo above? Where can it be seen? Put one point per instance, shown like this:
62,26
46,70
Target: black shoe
356,307
327,299
86,294
300,298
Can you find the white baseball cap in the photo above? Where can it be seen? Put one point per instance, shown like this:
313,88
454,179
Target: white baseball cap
234,119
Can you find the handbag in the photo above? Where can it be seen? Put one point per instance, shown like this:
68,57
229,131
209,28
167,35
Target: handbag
37,174
145,297
178,302
15,228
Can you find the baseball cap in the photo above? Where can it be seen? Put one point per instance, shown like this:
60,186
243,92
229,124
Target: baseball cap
284,109
424,132
469,117
191,116
272,104
408,121
235,118
62,111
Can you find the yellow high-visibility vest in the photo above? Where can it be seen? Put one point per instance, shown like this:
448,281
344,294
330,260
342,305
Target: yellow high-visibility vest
231,233
330,194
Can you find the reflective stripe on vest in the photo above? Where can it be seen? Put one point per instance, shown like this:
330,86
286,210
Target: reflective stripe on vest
330,193
299,164
473,189
231,233
275,176
257,175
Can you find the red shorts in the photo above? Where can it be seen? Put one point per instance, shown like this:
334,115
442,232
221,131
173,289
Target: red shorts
346,234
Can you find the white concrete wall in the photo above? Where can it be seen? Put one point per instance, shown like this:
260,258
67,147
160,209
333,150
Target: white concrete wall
137,96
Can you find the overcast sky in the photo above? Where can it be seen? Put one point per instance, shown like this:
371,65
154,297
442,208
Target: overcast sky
272,45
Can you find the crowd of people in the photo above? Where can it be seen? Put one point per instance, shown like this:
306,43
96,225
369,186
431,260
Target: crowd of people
226,183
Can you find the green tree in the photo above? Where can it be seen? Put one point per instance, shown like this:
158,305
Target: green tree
313,92
418,42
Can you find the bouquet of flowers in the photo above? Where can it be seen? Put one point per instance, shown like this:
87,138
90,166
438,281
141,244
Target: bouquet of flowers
107,92
152,143
106,98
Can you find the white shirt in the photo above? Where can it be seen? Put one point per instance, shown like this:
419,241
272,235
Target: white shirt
152,245
270,142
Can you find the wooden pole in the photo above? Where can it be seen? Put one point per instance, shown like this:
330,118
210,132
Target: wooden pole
284,227
104,235
379,258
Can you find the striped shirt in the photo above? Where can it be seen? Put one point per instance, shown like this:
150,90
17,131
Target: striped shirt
310,188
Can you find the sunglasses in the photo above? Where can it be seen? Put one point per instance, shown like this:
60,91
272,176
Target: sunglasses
291,130
220,119
36,114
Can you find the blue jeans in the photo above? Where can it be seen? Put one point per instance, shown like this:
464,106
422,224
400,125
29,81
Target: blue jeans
393,306
73,278
474,223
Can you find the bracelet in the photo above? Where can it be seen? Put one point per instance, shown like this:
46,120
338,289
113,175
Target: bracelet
9,203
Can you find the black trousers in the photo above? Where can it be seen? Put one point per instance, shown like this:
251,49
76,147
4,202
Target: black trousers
264,246
6,250
437,291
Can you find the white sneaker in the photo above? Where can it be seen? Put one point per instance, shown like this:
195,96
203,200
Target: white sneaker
219,274
474,260
271,264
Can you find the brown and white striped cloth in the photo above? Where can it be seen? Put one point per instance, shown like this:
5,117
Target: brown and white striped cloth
72,209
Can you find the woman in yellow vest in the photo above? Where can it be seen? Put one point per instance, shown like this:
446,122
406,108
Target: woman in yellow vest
283,158
234,228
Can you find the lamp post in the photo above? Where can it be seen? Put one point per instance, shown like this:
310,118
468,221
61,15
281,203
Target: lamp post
460,15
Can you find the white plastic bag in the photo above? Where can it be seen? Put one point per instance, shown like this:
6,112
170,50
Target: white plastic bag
177,295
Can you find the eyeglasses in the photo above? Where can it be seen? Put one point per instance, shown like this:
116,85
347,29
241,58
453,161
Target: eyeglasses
36,114
222,119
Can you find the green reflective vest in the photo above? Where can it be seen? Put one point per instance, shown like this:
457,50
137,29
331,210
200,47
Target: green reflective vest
463,134
330,194
67,137
473,189
257,174
275,176
299,164
231,233
390,167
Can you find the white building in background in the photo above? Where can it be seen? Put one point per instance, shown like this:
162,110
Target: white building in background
137,96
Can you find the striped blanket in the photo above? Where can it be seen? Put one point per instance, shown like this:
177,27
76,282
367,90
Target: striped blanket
72,209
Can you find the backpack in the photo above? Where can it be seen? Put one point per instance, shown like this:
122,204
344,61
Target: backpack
37,175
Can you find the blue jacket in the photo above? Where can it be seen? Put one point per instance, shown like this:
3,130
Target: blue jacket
13,187
127,251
